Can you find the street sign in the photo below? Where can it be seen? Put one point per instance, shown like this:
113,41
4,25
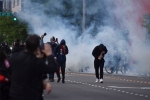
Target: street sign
5,13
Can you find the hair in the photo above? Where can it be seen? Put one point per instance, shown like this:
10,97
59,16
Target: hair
52,38
3,57
32,42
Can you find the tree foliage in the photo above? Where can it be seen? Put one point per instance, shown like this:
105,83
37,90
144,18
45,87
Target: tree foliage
11,29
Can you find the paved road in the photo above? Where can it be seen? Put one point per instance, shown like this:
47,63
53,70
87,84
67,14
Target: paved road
80,86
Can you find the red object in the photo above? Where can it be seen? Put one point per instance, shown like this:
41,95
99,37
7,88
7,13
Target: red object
2,78
63,49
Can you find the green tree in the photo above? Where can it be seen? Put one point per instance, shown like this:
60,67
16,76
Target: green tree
11,29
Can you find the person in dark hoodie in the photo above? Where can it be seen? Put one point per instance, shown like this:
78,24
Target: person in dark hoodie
99,53
27,70
4,77
60,53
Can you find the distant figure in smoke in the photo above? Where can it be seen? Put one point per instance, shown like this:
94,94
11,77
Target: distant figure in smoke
56,41
53,46
60,53
99,53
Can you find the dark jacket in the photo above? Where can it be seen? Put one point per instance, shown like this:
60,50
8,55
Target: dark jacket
27,73
61,57
17,49
4,85
97,51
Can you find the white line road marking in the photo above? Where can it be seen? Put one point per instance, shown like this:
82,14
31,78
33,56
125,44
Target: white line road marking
141,95
130,87
146,95
114,88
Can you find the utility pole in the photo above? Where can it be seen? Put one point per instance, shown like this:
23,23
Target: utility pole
83,19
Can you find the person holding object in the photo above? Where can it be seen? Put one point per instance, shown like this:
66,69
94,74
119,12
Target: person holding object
27,70
99,53
60,53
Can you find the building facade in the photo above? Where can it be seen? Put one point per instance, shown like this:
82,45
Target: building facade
6,5
16,5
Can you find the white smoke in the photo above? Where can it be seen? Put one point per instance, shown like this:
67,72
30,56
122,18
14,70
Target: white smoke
80,48
129,13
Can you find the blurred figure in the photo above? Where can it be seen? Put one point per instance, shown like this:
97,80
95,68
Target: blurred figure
4,77
27,70
56,41
16,47
5,48
99,53
22,44
60,53
53,46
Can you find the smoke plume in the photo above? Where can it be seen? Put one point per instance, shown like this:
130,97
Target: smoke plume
115,23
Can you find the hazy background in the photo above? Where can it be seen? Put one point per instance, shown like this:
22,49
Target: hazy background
115,23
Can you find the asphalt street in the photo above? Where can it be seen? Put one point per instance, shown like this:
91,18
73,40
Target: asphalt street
82,86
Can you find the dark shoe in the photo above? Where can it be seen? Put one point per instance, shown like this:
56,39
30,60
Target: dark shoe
58,80
63,81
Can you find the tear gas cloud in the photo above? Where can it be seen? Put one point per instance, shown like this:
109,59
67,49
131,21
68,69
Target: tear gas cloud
117,23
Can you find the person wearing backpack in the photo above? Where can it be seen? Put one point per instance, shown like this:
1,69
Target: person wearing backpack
60,53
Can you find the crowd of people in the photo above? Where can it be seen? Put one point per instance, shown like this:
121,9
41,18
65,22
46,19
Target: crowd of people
25,68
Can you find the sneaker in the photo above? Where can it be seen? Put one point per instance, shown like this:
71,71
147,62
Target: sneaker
97,80
101,80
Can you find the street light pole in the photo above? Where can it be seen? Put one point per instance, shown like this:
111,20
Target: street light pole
83,19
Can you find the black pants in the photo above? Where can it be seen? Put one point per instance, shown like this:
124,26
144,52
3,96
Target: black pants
62,66
98,65
51,75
